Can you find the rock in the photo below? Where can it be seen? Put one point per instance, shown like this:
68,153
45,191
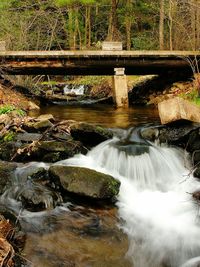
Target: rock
8,150
150,133
85,182
28,137
197,172
5,119
178,109
194,141
51,151
93,239
45,117
196,156
32,106
42,124
35,196
178,134
38,124
6,175
88,134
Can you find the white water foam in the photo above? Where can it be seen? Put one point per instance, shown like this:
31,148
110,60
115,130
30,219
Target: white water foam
155,202
76,90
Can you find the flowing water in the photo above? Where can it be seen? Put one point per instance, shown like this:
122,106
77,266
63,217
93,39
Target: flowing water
74,89
155,205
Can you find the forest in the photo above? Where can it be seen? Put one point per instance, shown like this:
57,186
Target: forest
84,24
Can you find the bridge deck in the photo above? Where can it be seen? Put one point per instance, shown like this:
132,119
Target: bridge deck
94,62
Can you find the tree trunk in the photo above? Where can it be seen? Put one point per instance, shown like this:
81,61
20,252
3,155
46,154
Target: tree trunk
128,22
88,27
113,34
161,25
170,25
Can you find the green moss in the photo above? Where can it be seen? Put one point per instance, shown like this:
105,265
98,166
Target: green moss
10,136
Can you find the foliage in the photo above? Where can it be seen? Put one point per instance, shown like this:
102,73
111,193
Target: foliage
6,109
9,108
9,136
80,24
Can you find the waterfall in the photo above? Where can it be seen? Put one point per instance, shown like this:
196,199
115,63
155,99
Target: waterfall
155,202
74,89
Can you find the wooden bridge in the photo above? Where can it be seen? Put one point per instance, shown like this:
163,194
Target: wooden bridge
117,63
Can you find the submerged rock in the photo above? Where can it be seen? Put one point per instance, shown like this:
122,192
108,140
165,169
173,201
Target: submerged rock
35,196
85,182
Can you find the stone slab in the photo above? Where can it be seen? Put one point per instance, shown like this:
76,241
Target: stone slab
176,109
112,46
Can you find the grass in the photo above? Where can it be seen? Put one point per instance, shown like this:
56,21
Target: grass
10,108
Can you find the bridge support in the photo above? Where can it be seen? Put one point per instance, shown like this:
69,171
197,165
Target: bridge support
120,88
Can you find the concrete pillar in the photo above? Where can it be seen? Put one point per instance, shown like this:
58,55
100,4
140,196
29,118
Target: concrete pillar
2,46
120,88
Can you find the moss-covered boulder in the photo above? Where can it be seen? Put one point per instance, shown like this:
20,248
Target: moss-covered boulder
85,182
90,135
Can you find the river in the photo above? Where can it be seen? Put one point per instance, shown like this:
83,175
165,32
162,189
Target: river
104,115
154,207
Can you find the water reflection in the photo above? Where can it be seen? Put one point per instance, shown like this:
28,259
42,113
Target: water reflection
104,115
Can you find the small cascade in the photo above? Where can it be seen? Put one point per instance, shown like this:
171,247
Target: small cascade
155,202
76,90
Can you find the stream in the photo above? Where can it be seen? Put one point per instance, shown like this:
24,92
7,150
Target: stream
154,208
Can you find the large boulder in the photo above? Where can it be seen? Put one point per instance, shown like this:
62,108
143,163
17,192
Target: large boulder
90,135
85,182
176,134
176,109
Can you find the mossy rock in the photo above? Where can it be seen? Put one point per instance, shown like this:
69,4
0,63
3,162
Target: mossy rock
90,135
85,182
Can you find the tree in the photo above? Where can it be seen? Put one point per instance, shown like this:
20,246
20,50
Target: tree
113,33
161,25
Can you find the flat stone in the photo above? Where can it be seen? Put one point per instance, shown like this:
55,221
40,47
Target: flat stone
45,117
176,109
28,137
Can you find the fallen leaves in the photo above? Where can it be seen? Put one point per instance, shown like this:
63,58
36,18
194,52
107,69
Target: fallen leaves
6,249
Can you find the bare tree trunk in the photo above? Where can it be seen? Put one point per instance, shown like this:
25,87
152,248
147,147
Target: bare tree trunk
88,27
72,37
161,25
198,25
128,22
113,34
170,25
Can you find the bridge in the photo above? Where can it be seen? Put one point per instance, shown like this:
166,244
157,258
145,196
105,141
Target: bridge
94,62
117,63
